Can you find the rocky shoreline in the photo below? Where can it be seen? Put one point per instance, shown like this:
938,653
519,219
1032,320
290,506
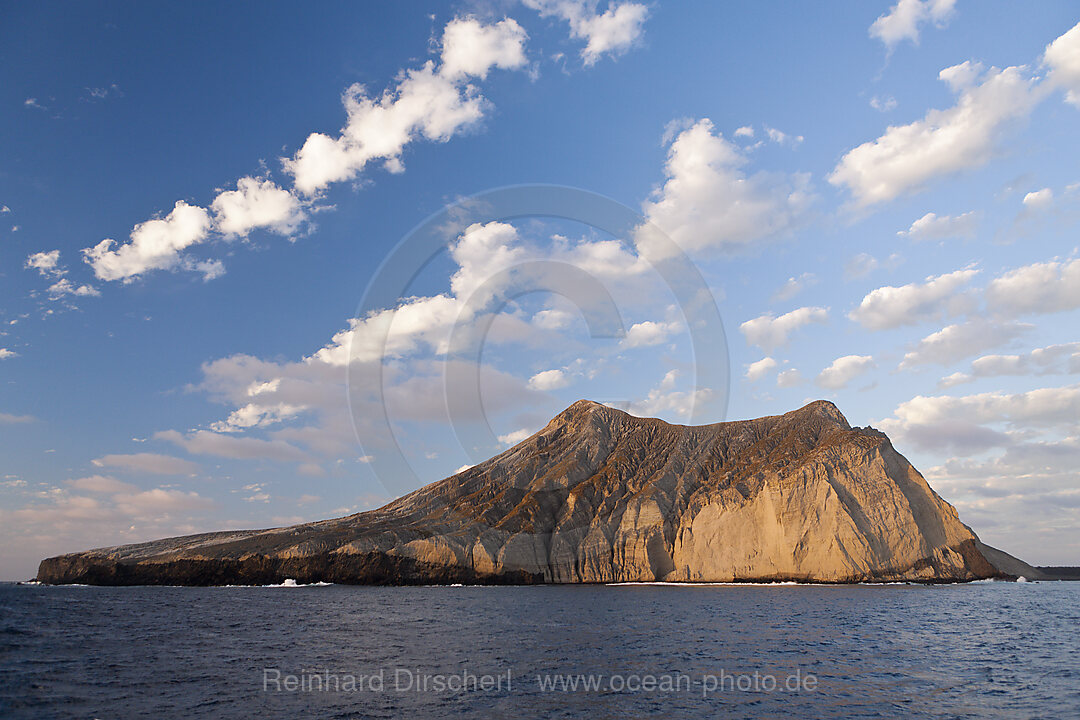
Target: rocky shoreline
600,496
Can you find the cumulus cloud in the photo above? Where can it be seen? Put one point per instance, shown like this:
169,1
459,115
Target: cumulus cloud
759,369
612,32
256,415
46,263
431,102
5,354
905,19
549,380
513,438
890,307
62,520
665,399
709,203
959,341
843,370
943,142
789,378
938,227
1063,58
1046,287
148,463
1051,360
471,48
157,244
256,203
975,423
1039,200
648,333
769,332
553,319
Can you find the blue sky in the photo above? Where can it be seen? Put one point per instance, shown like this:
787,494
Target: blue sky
881,201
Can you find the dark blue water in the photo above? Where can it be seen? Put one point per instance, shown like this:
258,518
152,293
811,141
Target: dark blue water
999,650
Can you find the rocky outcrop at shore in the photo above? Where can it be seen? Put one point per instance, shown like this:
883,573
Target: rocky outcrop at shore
602,496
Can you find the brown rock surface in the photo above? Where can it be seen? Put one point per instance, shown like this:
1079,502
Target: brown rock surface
601,496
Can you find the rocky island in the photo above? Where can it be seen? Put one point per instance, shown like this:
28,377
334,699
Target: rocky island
601,496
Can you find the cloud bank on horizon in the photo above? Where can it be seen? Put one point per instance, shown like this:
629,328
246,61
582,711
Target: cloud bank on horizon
905,264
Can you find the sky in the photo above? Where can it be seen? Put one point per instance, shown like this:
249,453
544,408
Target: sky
262,265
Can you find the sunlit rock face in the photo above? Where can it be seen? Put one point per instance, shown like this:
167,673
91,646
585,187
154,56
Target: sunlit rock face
601,496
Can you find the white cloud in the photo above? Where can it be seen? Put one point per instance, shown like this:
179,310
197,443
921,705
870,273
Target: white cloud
769,332
782,138
46,263
965,424
155,245
843,370
553,319
160,500
549,380
471,48
612,32
860,266
204,442
1046,287
1039,200
789,378
889,307
883,103
745,131
48,266
957,378
424,104
63,287
102,484
759,369
904,19
8,418
936,227
959,341
434,103
1052,360
256,203
5,354
794,286
708,202
255,415
664,399
149,463
513,438
964,136
648,333
1063,58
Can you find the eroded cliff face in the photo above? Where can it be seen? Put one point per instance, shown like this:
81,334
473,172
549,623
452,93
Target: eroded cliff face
602,496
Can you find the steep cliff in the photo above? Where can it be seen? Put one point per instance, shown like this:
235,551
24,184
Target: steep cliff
601,496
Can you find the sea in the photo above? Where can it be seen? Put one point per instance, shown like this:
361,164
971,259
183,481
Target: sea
980,650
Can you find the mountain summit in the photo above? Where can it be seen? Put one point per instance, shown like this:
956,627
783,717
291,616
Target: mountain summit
598,495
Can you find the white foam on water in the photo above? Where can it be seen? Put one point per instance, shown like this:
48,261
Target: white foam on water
291,583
